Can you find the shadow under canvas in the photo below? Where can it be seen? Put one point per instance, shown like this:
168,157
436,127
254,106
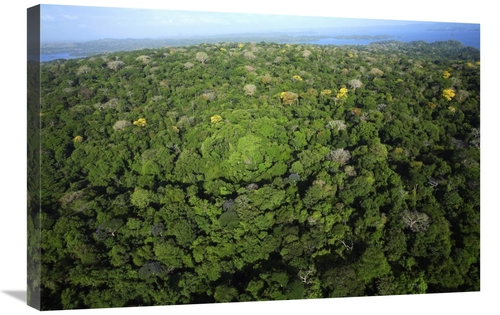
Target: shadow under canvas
17,294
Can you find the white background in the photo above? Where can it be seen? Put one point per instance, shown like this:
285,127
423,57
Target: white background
13,154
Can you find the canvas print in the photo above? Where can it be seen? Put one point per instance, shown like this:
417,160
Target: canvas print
184,157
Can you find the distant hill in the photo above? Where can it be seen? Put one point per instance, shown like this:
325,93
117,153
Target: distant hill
109,45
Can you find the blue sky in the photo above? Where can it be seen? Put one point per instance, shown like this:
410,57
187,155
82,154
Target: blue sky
81,23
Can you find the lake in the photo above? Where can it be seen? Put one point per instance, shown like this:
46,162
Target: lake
50,57
469,37
466,40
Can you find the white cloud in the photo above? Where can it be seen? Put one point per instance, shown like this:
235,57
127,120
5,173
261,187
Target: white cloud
69,17
47,17
213,20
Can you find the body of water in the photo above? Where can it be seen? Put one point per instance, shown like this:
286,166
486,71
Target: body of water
469,37
50,57
466,40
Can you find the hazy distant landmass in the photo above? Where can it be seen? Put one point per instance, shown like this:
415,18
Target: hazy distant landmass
67,50
111,45
88,48
363,37
467,35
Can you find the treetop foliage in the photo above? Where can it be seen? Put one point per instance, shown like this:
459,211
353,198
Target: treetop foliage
259,171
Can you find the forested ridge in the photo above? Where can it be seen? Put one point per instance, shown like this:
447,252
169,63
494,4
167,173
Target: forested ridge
259,171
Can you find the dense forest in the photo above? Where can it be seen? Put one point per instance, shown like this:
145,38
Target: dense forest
259,171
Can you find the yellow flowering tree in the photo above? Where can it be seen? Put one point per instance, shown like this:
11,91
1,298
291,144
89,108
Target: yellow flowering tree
141,122
216,119
296,78
448,94
446,74
342,94
78,139
289,98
